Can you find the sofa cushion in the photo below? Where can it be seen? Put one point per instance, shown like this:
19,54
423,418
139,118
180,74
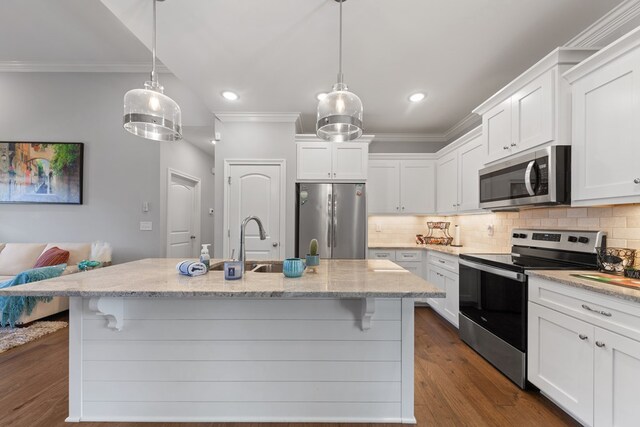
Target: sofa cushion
53,256
17,257
77,251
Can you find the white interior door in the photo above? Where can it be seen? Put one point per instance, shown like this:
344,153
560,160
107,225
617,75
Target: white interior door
256,190
183,216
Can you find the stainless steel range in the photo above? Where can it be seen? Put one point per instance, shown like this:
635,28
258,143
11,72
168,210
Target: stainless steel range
494,292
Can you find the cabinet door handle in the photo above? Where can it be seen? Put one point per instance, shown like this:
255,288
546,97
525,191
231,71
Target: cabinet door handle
583,337
506,147
604,313
442,262
329,174
397,208
513,144
403,208
636,181
600,344
334,174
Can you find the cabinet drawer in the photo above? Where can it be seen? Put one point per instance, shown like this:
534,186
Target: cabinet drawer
448,262
600,310
408,255
382,254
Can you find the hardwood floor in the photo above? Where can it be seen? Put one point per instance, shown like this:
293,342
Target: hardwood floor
454,386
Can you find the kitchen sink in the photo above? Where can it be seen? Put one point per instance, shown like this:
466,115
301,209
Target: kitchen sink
254,267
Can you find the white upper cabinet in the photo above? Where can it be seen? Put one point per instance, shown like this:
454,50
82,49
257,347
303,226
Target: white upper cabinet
448,183
349,160
496,125
319,160
471,159
458,165
383,187
314,160
532,110
401,186
417,189
606,111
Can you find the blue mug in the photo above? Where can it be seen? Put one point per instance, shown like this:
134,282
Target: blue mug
293,267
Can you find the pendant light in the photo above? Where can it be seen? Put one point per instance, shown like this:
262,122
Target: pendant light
148,112
340,112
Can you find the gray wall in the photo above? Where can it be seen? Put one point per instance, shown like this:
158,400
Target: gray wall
404,147
120,170
256,140
185,157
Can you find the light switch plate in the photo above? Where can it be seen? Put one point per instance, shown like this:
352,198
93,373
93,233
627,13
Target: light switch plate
378,227
146,226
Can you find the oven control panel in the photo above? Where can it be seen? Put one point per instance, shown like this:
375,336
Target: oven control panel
574,240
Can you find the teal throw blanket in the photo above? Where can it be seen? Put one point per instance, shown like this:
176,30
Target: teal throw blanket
11,308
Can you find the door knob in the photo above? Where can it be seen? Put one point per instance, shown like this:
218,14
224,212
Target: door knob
275,244
636,181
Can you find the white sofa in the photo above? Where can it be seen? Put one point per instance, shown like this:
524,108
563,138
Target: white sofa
17,257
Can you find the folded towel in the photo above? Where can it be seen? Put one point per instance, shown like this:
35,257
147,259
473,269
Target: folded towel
191,268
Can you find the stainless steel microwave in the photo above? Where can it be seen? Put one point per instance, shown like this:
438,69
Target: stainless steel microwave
542,177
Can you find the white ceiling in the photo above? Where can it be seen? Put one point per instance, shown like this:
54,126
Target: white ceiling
66,32
278,54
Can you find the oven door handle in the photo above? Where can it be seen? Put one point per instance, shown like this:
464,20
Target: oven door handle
494,270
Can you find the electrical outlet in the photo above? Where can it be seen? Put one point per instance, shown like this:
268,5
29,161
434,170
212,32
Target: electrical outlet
378,227
146,226
490,230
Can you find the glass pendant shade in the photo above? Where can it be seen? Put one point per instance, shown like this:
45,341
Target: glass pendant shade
151,114
340,115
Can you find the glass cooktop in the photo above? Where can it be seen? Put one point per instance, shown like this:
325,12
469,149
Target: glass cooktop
519,263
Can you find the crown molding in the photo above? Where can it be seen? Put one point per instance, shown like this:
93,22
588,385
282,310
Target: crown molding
463,126
621,46
78,67
558,56
312,137
595,34
473,133
261,117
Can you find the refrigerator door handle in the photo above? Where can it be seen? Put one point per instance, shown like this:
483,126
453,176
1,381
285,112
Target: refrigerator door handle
335,220
329,216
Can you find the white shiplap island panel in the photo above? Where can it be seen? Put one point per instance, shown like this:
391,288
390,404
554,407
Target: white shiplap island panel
149,345
243,360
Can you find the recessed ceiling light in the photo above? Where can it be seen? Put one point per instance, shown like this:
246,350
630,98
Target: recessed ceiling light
321,96
231,96
417,97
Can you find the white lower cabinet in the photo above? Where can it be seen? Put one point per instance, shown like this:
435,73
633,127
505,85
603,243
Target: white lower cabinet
561,361
584,353
443,272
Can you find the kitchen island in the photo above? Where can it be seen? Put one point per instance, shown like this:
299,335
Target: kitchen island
149,345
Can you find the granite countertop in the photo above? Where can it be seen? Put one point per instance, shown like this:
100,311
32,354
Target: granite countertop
157,277
451,250
565,277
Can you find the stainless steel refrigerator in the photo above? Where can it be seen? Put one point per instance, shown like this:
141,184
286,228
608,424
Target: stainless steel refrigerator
336,215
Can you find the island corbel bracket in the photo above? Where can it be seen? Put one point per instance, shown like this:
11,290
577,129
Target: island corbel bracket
368,308
111,308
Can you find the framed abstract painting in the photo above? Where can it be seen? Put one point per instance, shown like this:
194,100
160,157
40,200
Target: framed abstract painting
41,172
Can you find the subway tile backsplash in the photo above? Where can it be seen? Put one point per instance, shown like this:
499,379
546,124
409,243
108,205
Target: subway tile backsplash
621,223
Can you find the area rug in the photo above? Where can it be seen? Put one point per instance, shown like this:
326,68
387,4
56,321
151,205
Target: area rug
14,337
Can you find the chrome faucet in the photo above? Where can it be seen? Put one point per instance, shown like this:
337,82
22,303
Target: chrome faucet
263,236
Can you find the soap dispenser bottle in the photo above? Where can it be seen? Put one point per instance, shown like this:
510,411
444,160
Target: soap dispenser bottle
204,255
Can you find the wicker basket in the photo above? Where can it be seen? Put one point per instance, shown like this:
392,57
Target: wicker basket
615,260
